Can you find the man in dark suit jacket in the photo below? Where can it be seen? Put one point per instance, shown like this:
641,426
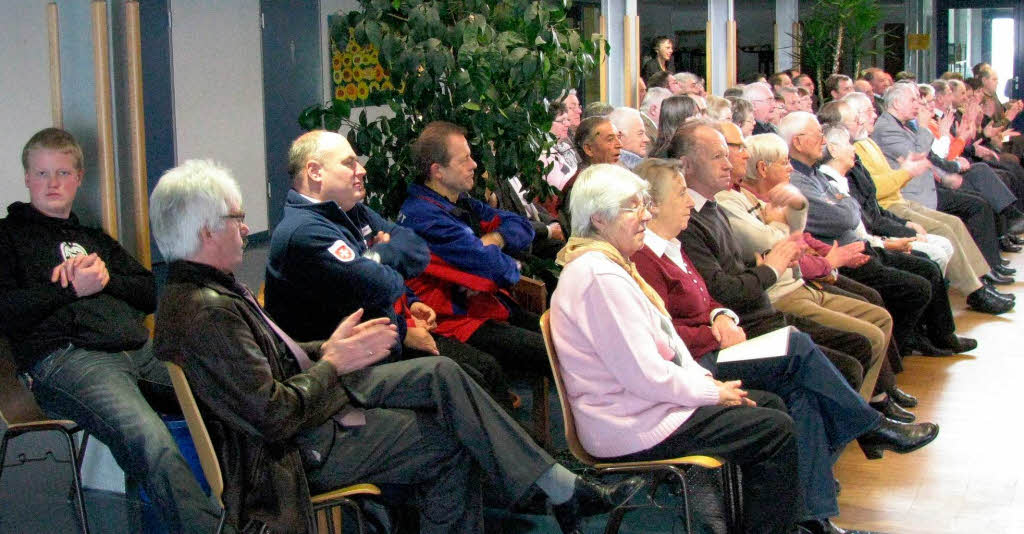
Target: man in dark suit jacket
710,243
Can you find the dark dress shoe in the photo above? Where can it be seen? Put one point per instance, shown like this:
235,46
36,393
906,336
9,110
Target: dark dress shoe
996,279
904,399
1017,240
1004,270
984,301
893,411
819,526
1006,245
920,345
590,497
992,289
1004,261
897,437
957,344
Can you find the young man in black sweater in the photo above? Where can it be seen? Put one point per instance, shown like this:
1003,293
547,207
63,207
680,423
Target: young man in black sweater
72,302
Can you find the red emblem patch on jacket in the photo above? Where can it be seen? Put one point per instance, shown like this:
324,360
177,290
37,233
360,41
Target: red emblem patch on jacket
342,251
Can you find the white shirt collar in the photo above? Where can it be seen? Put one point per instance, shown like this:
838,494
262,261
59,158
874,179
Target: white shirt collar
311,199
840,181
698,199
669,248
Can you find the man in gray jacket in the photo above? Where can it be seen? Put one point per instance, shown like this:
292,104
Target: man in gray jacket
900,138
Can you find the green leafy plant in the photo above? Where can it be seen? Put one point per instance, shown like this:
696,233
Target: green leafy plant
837,35
489,66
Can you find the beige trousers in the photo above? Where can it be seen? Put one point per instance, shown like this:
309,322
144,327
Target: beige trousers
967,264
846,314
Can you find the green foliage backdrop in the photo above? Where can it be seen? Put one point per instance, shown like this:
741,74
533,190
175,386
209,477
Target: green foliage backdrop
489,66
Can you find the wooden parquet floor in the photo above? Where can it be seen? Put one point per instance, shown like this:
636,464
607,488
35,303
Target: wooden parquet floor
971,478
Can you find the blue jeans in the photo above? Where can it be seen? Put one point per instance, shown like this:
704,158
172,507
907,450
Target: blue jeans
102,392
827,412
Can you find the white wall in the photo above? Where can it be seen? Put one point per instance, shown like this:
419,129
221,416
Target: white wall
25,90
218,93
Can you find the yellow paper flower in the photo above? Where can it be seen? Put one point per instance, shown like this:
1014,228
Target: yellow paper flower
364,91
336,62
336,76
347,75
339,93
374,87
351,91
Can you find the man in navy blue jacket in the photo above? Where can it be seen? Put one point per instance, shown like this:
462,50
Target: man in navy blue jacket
331,255
471,244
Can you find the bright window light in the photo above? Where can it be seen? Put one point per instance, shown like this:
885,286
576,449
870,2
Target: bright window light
1003,46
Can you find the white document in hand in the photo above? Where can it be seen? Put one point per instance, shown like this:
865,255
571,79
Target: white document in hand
770,345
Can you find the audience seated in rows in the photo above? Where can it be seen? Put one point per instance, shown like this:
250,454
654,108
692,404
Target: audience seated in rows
289,419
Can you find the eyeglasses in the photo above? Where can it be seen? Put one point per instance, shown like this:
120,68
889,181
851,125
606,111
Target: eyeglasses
738,146
240,217
646,203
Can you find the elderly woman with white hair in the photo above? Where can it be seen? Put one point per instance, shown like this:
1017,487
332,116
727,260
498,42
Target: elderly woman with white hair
826,411
635,391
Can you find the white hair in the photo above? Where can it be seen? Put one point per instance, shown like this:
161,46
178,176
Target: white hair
766,147
836,134
684,77
194,195
857,100
654,96
752,91
897,91
601,190
795,123
620,117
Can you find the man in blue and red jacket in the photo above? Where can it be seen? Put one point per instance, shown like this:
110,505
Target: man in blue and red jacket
470,244
331,255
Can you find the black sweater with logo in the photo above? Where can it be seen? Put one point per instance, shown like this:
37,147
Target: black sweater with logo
40,316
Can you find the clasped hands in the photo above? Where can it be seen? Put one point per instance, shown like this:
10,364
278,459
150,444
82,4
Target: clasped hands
87,274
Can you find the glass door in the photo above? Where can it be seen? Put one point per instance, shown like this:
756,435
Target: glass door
973,32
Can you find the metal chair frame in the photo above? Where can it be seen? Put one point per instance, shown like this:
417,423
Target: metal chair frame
322,503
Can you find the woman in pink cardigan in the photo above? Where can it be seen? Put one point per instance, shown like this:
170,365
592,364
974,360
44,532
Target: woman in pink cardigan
636,393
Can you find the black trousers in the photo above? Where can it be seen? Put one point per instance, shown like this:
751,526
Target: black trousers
760,440
906,295
1013,176
430,427
977,215
481,366
517,344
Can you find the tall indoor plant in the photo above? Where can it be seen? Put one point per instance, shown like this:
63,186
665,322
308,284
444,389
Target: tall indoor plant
492,66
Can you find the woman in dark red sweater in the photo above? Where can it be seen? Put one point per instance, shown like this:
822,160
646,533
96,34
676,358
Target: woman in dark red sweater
827,412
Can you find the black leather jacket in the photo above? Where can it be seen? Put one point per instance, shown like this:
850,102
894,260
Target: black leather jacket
252,395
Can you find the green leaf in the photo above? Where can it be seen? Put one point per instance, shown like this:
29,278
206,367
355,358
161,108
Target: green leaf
472,106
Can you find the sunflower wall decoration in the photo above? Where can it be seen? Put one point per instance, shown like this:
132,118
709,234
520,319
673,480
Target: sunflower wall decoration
356,74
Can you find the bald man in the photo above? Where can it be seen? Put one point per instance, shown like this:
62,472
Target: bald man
332,255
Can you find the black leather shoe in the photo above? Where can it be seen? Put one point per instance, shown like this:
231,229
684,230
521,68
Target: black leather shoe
995,278
1004,261
893,411
957,344
591,498
992,289
900,438
819,526
1004,270
1017,240
920,345
1006,245
984,301
904,399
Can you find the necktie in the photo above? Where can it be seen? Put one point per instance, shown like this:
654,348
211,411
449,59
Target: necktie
349,415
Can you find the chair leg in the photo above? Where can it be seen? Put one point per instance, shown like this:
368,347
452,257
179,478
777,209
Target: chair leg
733,497
79,458
77,482
3,454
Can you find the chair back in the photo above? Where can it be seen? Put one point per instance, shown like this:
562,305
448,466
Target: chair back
196,427
17,404
563,398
